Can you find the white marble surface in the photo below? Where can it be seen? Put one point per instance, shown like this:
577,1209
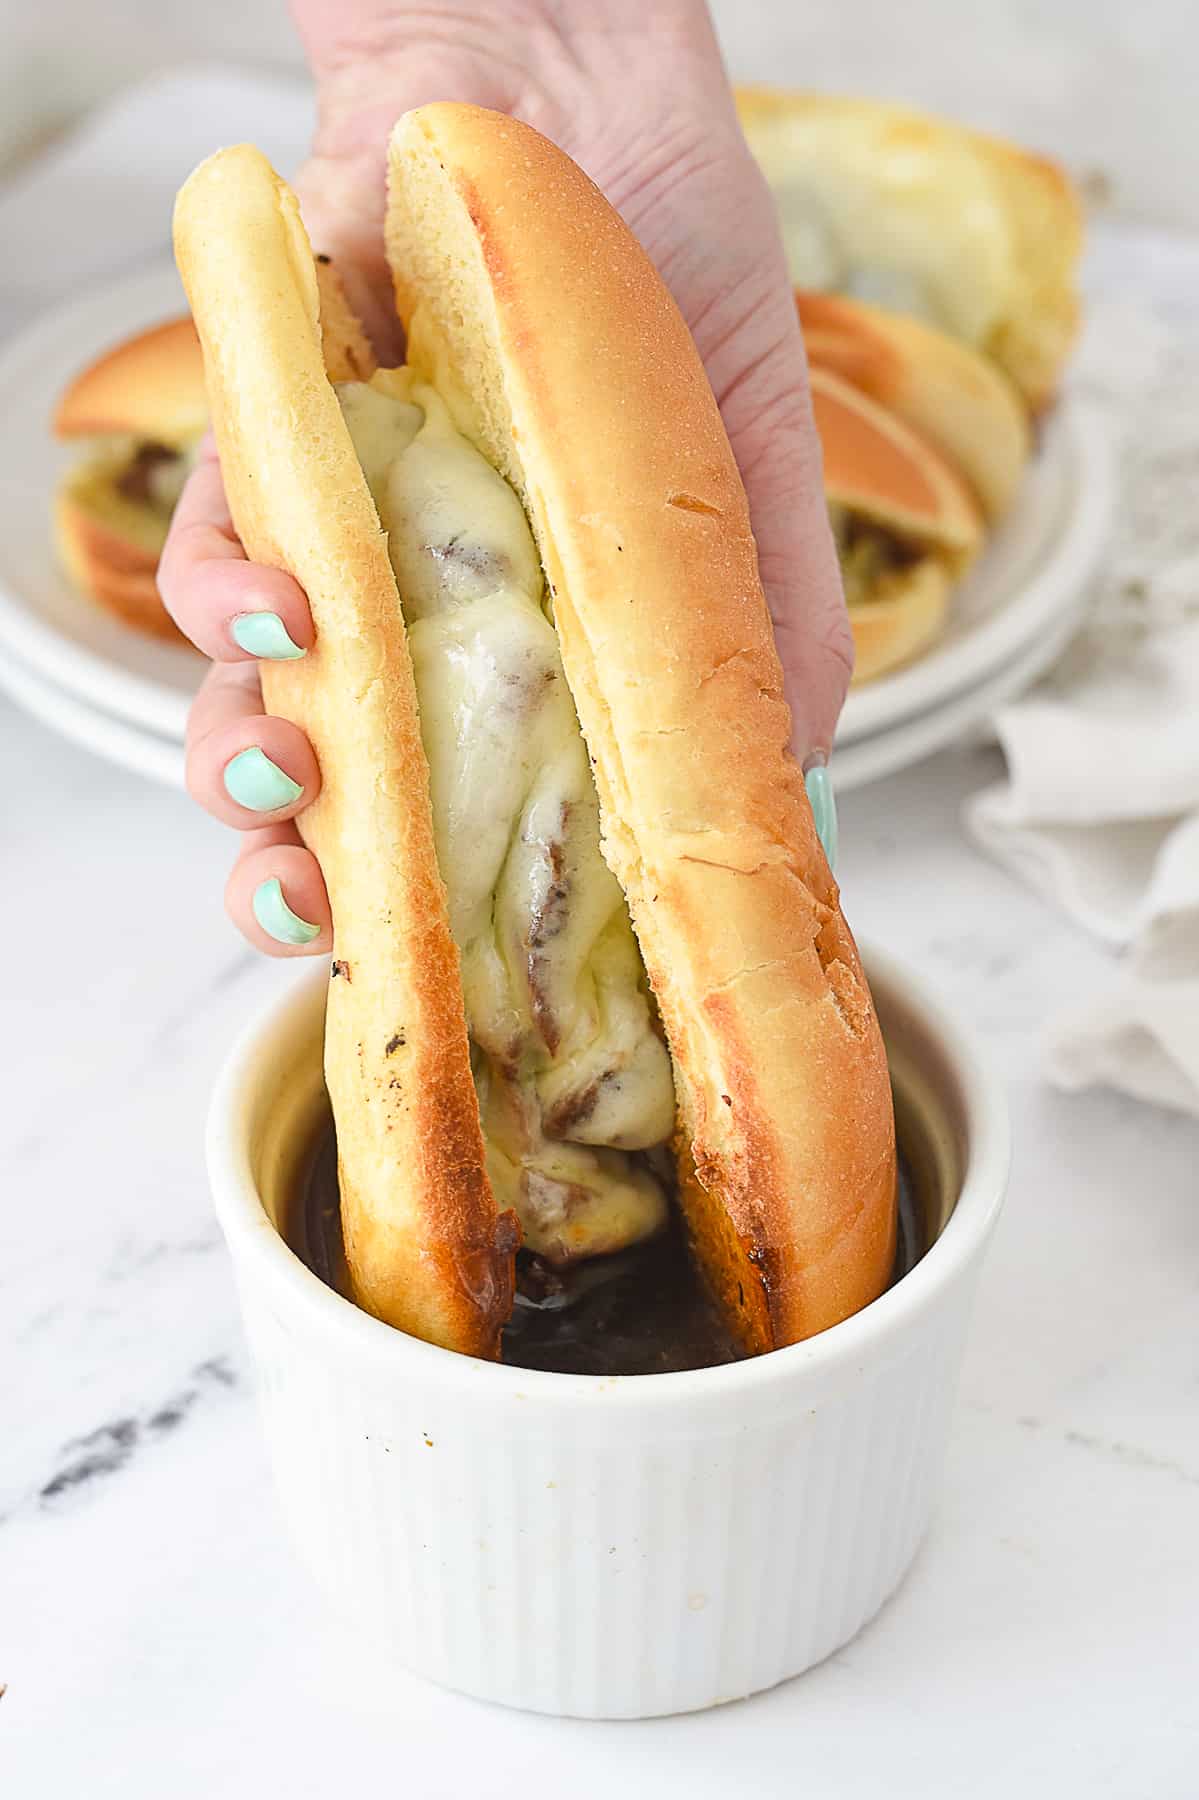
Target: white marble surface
155,1634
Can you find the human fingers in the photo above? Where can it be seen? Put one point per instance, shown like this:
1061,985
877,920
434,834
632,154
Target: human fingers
276,895
243,765
231,609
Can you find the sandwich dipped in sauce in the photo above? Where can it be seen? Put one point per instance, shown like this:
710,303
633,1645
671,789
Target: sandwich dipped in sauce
137,415
590,964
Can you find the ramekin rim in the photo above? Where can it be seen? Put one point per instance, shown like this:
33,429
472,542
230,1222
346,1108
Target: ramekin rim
254,1242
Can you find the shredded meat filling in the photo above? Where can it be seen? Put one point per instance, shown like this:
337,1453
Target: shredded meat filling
573,1078
868,555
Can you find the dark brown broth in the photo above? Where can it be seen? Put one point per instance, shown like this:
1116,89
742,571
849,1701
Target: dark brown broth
643,1311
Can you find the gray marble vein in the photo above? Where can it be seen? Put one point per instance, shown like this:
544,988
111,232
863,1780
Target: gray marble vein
109,1448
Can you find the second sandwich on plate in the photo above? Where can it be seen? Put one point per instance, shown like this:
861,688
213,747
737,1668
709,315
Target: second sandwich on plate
924,445
590,965
136,415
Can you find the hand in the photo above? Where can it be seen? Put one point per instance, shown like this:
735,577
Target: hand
638,96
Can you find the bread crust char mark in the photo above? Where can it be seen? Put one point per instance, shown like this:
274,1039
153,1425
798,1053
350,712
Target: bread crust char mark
527,297
426,1248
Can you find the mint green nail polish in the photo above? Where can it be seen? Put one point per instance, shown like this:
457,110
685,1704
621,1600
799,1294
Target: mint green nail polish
264,634
276,917
253,780
819,784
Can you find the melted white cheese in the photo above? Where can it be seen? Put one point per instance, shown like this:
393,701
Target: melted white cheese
571,1074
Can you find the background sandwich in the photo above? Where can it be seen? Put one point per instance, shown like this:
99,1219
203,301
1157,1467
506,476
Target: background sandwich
138,414
905,524
957,401
567,546
924,217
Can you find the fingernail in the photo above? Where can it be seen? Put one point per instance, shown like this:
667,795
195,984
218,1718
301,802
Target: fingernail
264,634
276,917
254,781
823,802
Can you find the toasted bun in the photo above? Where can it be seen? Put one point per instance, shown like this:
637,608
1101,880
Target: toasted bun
876,465
902,619
114,568
530,301
959,402
110,546
150,389
425,1246
151,386
973,234
881,470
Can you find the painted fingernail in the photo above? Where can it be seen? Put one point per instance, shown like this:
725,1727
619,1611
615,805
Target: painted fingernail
823,802
264,634
276,917
254,781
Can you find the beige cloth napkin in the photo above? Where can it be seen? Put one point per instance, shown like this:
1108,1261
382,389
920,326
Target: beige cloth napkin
1099,809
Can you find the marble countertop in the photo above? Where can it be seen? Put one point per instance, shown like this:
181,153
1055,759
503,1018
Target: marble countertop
157,1637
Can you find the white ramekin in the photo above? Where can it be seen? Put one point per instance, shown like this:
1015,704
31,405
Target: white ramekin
606,1547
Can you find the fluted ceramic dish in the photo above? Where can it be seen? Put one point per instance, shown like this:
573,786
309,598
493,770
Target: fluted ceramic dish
607,1547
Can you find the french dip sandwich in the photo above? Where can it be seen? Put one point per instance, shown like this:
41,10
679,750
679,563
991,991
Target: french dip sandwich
138,413
922,216
589,959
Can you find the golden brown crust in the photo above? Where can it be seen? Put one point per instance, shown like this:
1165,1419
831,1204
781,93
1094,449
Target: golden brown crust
880,470
903,618
958,401
151,386
876,465
526,295
986,235
148,389
425,1246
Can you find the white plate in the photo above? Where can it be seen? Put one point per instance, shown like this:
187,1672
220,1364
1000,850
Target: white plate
1038,562
870,759
160,758
58,635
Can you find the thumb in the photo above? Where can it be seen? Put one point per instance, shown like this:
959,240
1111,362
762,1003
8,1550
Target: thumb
768,415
